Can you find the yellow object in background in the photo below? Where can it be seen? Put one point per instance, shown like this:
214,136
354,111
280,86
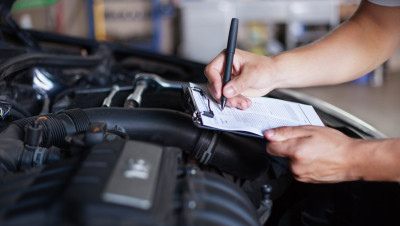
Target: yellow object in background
257,37
99,20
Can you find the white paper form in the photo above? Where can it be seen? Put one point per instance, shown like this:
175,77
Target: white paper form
265,113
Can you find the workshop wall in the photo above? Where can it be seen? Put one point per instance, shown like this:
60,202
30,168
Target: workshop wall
146,24
61,16
192,29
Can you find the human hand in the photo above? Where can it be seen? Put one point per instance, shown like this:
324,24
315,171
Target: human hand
251,76
316,154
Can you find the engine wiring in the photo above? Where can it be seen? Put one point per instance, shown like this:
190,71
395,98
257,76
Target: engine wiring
5,108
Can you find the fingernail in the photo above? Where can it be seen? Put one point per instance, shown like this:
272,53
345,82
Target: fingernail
229,91
269,133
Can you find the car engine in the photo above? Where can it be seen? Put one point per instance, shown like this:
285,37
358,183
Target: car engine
101,134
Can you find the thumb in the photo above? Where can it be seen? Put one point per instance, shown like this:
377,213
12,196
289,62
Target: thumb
286,133
238,85
242,78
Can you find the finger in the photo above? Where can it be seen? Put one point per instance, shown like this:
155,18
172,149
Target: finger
213,72
286,149
236,72
243,80
286,133
302,179
214,84
217,64
216,96
280,149
240,102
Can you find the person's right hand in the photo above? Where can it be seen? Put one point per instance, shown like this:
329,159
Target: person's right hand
252,75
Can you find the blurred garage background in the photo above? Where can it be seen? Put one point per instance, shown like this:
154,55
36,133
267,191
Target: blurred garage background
197,30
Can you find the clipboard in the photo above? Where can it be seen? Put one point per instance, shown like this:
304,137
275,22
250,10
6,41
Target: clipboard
265,113
197,115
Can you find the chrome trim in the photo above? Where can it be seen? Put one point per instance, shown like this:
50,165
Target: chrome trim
108,100
44,80
160,81
135,98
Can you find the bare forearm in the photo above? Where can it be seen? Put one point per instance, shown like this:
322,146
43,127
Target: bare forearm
377,160
352,50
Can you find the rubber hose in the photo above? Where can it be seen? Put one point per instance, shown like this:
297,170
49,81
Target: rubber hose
165,127
55,126
241,156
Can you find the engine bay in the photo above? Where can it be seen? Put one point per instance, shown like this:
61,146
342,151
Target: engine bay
101,134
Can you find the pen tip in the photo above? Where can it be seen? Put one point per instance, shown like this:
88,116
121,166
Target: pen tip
223,102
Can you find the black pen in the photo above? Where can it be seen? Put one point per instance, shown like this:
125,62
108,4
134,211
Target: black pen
230,52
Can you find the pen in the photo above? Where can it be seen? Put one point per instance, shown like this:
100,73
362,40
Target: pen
230,52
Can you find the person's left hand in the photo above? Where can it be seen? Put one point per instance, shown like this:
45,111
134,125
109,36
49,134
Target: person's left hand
316,154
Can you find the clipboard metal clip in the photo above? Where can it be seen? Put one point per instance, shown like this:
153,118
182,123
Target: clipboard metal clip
208,113
196,117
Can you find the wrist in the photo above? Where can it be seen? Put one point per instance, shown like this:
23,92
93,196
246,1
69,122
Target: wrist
284,72
357,161
276,75
376,160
